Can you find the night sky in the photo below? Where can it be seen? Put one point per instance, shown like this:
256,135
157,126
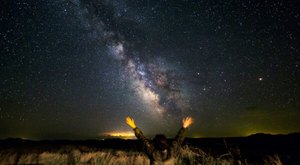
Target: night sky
74,69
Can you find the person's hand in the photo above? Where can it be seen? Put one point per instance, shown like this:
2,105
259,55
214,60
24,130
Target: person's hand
130,122
186,122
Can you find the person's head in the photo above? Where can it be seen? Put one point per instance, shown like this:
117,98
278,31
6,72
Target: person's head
160,142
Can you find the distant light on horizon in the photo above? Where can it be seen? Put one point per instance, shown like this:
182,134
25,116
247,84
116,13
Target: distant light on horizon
123,135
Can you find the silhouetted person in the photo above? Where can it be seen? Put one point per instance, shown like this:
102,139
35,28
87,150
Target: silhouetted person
159,151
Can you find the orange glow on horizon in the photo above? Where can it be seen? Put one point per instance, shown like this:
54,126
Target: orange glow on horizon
121,134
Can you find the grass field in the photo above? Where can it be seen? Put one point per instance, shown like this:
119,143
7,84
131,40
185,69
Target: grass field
83,155
253,150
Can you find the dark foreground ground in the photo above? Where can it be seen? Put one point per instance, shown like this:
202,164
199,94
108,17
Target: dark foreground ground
255,149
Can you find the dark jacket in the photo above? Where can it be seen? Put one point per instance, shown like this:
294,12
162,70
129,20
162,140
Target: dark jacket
158,157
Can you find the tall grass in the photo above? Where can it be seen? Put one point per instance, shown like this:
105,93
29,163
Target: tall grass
85,156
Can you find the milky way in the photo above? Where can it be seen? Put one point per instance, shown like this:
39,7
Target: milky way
155,84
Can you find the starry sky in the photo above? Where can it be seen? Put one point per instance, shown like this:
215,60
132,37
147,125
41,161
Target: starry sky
74,69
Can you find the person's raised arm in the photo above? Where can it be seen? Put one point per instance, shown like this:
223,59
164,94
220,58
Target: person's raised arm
139,134
186,122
